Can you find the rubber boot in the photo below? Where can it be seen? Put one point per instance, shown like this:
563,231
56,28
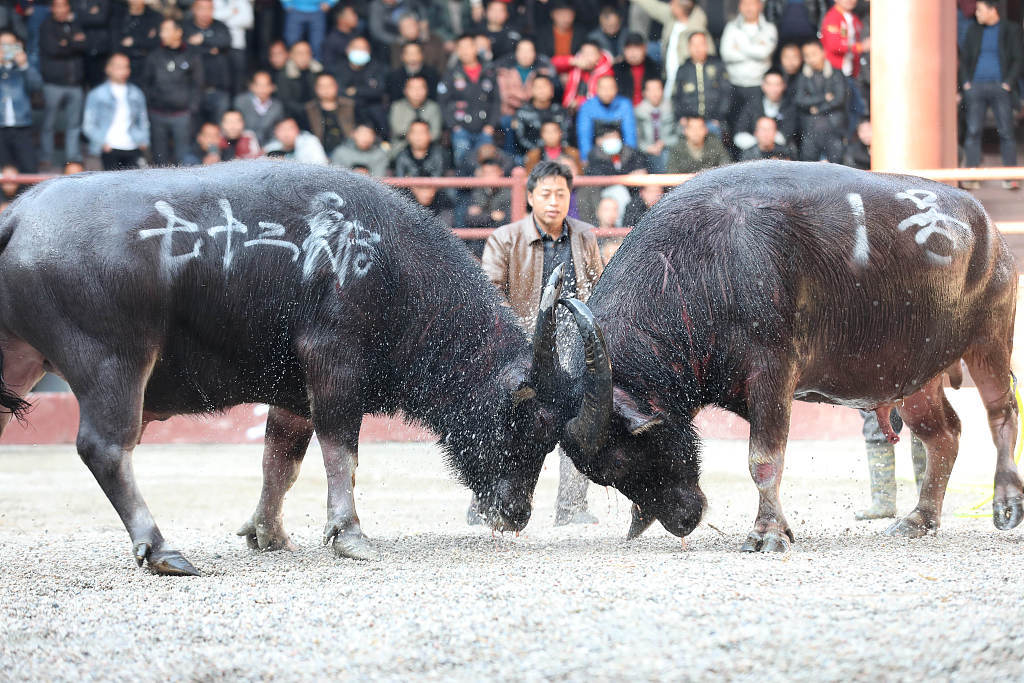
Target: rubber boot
571,506
882,467
920,458
473,517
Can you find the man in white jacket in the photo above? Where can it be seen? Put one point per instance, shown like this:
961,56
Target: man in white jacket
747,45
238,17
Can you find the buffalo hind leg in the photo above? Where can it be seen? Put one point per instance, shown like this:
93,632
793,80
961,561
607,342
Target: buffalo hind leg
110,399
932,419
284,447
770,401
990,369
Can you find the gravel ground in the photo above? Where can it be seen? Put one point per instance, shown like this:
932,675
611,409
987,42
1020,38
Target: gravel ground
448,601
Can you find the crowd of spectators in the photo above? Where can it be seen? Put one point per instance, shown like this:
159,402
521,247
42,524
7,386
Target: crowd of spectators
433,88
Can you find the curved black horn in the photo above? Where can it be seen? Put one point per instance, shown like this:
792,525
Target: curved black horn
545,353
590,426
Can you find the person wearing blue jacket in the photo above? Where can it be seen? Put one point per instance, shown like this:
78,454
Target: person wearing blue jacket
607,107
115,121
17,80
309,17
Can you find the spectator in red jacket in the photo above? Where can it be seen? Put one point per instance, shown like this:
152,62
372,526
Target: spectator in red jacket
585,68
842,36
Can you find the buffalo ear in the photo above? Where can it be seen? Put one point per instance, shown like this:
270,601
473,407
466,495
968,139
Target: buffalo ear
636,421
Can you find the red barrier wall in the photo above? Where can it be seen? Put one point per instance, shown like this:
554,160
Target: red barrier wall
54,419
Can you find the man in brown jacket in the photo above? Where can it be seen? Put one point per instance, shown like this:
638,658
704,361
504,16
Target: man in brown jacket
519,257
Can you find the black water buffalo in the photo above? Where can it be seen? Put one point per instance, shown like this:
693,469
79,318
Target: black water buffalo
314,290
759,283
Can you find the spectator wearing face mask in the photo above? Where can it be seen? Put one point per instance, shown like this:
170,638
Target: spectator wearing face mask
346,27
607,107
610,157
364,81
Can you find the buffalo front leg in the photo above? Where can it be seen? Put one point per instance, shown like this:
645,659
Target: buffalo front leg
285,443
932,419
110,400
769,402
340,447
991,372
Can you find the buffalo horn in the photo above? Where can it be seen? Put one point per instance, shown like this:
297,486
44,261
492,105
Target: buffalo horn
545,354
590,426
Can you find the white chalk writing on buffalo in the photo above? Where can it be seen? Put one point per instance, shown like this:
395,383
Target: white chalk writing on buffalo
343,243
932,222
861,251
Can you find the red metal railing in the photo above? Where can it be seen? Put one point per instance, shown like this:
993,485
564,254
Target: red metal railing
516,182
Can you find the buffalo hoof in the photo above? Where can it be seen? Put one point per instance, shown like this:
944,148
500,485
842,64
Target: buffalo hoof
914,525
768,542
264,536
1006,514
356,547
165,562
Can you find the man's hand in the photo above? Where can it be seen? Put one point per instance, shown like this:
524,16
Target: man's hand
967,85
829,97
128,42
78,37
21,59
106,149
324,7
195,39
497,216
656,148
488,130
211,158
350,90
1006,87
865,45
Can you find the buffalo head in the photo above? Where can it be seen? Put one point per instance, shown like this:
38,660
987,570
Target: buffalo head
503,466
651,460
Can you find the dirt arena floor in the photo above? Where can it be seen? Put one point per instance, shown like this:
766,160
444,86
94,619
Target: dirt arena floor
452,602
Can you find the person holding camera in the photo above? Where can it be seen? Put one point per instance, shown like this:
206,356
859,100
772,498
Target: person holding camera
17,81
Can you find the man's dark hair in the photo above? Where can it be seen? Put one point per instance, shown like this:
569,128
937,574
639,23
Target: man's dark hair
994,4
813,42
416,77
416,122
260,72
588,41
111,58
412,42
324,74
773,72
635,38
465,36
698,33
545,77
548,169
